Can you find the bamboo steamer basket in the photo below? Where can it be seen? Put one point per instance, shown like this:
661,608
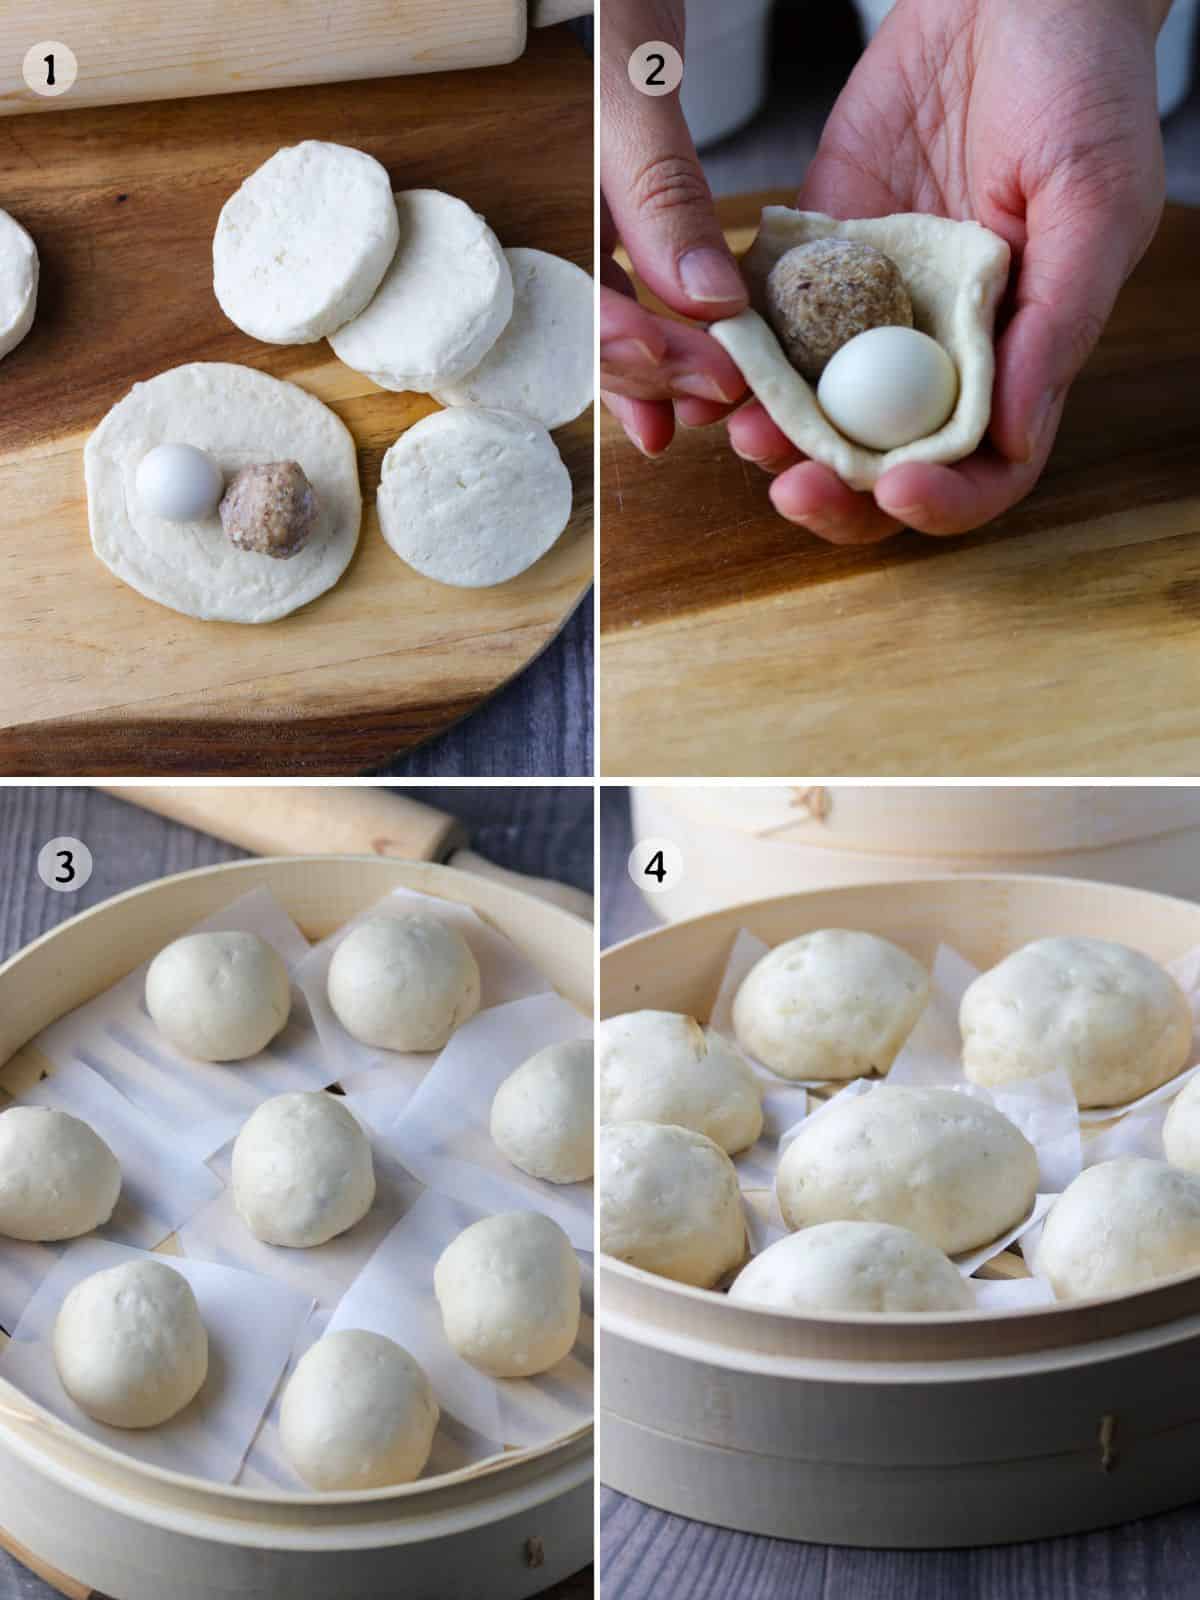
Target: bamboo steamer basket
742,842
898,1431
92,1519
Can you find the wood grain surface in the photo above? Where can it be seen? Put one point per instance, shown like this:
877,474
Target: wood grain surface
1056,640
646,1553
122,202
544,829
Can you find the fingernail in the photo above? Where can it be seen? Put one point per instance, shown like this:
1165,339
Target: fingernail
710,274
627,353
650,455
701,387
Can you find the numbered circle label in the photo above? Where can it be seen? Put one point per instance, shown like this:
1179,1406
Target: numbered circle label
656,865
656,68
64,864
50,68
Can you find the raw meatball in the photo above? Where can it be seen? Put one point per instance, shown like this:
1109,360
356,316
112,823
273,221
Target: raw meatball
508,1288
357,1413
852,1266
821,295
270,508
58,1179
944,1165
1113,1018
830,1004
219,996
542,1114
130,1345
403,983
302,1171
660,1066
1118,1226
669,1202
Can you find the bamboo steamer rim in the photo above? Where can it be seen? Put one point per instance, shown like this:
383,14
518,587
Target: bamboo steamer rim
1090,1321
34,1420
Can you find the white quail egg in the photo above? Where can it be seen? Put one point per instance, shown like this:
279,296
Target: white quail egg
888,386
179,483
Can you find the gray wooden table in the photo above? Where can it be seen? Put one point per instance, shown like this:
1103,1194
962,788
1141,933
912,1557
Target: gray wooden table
647,1554
543,830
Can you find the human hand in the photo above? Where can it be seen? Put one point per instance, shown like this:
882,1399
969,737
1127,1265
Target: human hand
1037,118
656,201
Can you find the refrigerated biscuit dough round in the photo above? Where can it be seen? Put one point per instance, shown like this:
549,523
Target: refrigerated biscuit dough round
18,283
357,1413
130,1345
955,274
508,1288
852,1266
660,1066
1113,1018
443,302
946,1166
241,418
1120,1225
541,366
830,1004
302,246
403,982
472,497
219,996
1181,1130
669,1202
543,1113
58,1178
302,1171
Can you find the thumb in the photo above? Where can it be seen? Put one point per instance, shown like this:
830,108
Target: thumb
652,179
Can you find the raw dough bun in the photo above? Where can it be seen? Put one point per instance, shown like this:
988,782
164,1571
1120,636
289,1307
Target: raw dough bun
542,1114
219,996
58,1179
1180,1135
950,1168
852,1266
443,302
955,274
660,1066
1120,1225
302,246
241,417
130,1345
18,283
357,1413
830,1004
302,1171
541,366
403,983
471,497
508,1288
1113,1018
669,1202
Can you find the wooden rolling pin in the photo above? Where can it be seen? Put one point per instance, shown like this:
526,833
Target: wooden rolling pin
341,821
134,50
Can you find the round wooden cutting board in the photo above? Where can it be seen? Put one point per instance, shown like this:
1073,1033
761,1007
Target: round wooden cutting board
122,203
1063,638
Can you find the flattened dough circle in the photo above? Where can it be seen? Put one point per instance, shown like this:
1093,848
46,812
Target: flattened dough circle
302,245
18,283
443,301
241,417
955,273
541,365
471,497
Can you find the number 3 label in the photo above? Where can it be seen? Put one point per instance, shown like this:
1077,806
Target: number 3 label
656,67
656,865
64,864
50,67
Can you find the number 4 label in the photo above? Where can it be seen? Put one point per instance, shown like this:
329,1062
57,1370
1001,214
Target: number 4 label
656,865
